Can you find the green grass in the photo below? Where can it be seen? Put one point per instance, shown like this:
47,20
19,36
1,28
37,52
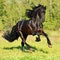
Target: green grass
12,51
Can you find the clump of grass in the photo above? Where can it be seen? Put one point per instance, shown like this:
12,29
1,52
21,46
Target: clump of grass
12,51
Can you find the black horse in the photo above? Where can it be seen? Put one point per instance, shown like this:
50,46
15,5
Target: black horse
34,26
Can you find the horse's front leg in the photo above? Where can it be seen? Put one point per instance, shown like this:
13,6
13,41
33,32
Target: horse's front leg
48,40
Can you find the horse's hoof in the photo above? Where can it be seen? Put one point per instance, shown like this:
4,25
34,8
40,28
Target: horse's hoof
23,49
37,40
50,46
30,49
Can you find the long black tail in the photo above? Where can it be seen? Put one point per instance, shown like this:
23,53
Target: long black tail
13,35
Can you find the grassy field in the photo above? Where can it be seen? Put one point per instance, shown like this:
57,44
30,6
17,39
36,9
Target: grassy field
12,51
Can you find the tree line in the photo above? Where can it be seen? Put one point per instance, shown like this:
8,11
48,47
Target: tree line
11,11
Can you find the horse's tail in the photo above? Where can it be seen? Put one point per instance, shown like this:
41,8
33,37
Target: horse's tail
11,35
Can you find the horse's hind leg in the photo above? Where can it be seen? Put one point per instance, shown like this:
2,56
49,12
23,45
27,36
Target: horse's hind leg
48,40
22,44
23,40
25,36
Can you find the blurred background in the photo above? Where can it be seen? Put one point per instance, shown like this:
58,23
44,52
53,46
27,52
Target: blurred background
11,11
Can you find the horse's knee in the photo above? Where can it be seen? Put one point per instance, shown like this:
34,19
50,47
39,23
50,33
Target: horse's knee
45,34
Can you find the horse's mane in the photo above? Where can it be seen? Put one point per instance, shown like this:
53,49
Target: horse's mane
30,12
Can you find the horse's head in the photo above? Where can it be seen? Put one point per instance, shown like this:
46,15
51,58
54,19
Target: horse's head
40,13
37,12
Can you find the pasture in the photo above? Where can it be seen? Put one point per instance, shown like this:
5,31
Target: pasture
12,51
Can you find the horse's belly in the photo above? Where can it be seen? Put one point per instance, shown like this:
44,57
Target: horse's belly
27,30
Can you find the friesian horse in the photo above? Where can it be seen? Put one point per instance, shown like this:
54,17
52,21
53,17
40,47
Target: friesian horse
33,26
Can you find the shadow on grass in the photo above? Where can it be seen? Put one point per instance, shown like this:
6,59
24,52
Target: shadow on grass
19,47
11,48
26,49
44,51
